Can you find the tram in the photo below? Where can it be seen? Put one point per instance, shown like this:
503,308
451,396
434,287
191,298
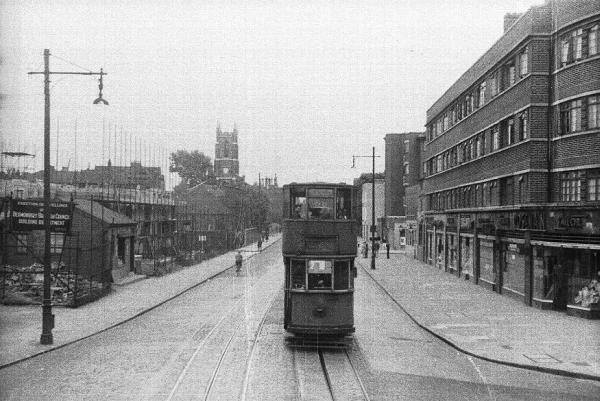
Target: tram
319,246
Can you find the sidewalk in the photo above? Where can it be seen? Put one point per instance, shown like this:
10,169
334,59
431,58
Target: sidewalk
486,324
21,326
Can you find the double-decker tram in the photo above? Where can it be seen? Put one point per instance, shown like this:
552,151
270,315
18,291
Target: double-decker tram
319,247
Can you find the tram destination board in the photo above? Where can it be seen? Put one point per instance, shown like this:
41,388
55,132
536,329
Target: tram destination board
28,215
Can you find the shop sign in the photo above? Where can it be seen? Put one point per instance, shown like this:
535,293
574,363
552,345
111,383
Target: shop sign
513,247
529,220
572,221
28,215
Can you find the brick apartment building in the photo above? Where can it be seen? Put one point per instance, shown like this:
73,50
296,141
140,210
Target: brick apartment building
402,174
511,164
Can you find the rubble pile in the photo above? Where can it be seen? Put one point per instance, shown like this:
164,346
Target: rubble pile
24,285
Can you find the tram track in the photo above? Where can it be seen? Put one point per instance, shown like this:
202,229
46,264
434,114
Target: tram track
228,337
328,372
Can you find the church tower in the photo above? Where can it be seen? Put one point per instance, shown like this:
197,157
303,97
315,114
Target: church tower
227,165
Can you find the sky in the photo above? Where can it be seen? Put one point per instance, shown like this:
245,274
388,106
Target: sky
308,84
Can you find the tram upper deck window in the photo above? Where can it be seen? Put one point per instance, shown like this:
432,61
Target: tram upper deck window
298,198
298,274
320,203
319,274
343,204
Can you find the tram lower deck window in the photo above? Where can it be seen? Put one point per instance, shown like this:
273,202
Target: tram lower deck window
319,274
341,275
298,274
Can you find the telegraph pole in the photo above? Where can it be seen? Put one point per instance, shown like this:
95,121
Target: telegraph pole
47,316
373,226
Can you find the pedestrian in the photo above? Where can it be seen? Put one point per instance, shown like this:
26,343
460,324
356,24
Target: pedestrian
375,248
238,261
365,250
260,244
387,248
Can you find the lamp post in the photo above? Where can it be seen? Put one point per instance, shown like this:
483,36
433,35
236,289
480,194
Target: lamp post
47,316
373,226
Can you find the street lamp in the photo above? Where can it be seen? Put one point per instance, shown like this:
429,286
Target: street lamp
47,316
373,226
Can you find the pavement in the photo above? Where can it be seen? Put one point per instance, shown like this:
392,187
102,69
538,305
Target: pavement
485,324
470,318
21,326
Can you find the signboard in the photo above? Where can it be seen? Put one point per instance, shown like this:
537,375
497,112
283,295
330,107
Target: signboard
28,215
202,238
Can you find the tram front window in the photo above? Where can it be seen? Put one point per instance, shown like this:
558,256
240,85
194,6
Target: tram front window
319,274
320,203
343,204
298,206
298,274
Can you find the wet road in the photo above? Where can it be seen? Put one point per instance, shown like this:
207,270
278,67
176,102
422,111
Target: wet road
224,341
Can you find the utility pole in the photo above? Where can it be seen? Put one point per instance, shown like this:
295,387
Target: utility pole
373,226
47,316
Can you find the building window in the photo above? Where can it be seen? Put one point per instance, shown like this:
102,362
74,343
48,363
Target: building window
593,110
495,84
594,189
495,138
565,50
593,41
523,63
22,243
523,128
510,132
570,187
578,43
482,94
57,241
406,169
570,117
406,146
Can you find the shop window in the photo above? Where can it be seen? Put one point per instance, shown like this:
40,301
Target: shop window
341,275
57,241
319,274
22,242
570,187
298,274
594,189
593,112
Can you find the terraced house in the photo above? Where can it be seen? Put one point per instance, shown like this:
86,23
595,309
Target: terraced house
511,164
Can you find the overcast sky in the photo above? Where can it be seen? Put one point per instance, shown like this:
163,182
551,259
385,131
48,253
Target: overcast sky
309,84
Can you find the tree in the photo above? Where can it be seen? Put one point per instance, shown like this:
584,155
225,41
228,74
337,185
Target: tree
193,167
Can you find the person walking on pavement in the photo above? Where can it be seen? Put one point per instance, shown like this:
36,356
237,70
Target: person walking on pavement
387,249
238,261
376,248
260,244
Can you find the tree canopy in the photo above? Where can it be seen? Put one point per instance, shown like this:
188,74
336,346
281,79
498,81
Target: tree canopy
193,167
